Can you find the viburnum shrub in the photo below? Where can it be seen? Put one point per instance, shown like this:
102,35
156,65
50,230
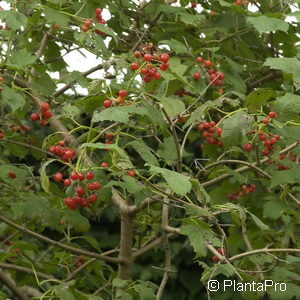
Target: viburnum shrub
175,164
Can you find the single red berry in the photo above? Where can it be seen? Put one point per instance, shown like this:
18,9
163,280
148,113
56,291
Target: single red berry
12,175
122,93
220,75
247,147
211,140
84,28
221,251
44,106
164,57
67,182
68,154
89,175
137,54
147,78
164,67
92,198
148,57
199,59
104,164
193,4
265,120
220,144
58,177
219,131
262,137
277,137
272,114
144,71
70,202
157,76
94,186
34,117
212,123
207,63
206,125
80,191
107,103
109,135
81,176
131,173
265,152
200,127
197,75
74,176
134,66
88,23
212,77
47,114
214,258
98,11
218,82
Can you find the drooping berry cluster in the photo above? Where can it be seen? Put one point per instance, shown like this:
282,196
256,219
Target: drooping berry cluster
244,190
215,77
44,114
82,189
211,133
98,19
151,60
268,142
65,153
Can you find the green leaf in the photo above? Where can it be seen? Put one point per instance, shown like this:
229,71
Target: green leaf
12,98
144,151
45,183
145,292
235,126
14,19
167,150
195,237
131,184
107,30
111,114
17,182
285,176
175,45
179,183
172,105
287,107
21,59
273,209
267,24
190,19
257,98
258,222
56,17
65,295
201,194
77,221
285,64
154,114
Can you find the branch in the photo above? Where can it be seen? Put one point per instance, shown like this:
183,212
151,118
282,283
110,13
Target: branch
25,270
265,250
73,274
6,279
60,245
268,77
164,224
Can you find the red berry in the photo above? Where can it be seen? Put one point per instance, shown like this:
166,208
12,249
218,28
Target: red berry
34,117
265,120
219,131
212,77
212,123
144,71
277,137
98,11
68,154
157,76
272,114
164,58
84,28
199,59
67,182
207,63
58,177
89,175
218,82
147,78
44,106
131,173
164,67
148,57
109,135
104,164
247,147
94,186
70,202
87,23
12,175
197,75
134,66
74,176
220,75
107,103
47,114
200,127
193,4
122,93
262,137
92,198
206,125
220,144
214,258
221,251
80,191
265,152
81,177
137,54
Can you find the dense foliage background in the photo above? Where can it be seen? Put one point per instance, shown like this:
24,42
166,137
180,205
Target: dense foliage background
187,148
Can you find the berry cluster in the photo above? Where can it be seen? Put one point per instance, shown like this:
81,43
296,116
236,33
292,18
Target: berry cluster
215,258
244,190
289,156
240,2
121,98
151,61
271,115
65,153
80,190
44,114
215,77
98,19
211,133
